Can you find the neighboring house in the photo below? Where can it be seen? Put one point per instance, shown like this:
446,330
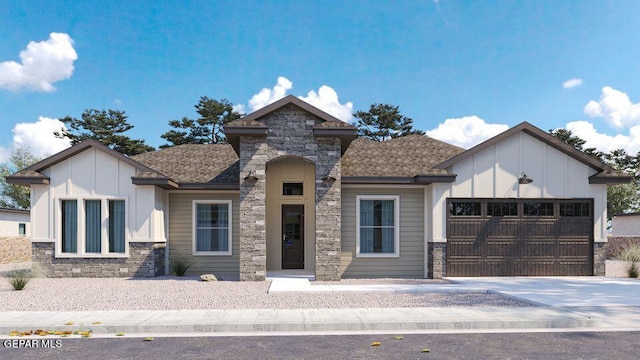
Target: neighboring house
625,225
14,222
295,189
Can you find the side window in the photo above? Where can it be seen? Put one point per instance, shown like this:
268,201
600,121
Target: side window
212,227
378,222
22,229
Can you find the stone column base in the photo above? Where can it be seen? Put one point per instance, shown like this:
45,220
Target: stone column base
437,260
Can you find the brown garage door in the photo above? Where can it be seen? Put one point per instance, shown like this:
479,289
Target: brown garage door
509,237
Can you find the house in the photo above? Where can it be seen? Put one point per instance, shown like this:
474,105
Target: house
625,225
14,222
295,189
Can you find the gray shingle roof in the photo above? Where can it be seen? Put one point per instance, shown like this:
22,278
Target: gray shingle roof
404,156
194,163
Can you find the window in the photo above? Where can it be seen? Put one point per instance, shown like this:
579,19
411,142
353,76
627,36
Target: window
464,208
22,229
212,227
502,209
378,226
575,209
292,189
92,227
538,209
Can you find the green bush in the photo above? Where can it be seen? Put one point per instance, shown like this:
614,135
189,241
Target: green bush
632,271
180,263
18,278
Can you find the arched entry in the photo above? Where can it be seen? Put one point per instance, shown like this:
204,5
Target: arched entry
290,214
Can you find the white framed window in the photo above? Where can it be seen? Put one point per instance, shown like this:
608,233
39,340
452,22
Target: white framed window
377,226
212,227
92,227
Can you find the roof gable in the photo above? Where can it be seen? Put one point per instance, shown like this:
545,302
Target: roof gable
606,175
32,175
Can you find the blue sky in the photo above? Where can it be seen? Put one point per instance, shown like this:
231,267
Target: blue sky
462,70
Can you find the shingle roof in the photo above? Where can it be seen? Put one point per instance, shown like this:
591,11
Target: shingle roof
404,156
194,163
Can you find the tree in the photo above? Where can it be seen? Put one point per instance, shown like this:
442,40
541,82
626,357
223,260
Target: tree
104,126
383,122
621,198
11,195
207,129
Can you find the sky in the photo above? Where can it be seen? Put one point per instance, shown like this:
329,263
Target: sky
463,71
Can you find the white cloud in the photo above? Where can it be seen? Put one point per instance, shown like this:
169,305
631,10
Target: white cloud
267,96
39,136
615,107
41,64
571,83
466,132
326,99
603,142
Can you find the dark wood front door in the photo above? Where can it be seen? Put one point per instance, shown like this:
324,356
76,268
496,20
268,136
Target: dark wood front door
293,236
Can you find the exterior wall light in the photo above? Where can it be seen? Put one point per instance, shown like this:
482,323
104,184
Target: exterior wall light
524,179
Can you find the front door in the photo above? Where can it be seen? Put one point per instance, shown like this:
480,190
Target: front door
292,236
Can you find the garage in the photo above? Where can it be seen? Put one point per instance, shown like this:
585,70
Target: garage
519,237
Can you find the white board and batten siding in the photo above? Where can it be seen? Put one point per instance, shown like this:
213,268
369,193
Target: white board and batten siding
410,263
494,171
181,232
94,173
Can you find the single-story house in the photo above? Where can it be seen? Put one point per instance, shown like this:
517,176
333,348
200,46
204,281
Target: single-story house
14,222
296,189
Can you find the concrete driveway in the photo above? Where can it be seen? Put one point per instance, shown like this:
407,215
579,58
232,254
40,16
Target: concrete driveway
563,291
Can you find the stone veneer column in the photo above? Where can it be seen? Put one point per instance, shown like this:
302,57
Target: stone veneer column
437,260
599,257
290,134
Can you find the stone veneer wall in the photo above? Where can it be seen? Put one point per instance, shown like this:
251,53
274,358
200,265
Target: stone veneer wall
146,259
290,134
14,249
599,257
437,260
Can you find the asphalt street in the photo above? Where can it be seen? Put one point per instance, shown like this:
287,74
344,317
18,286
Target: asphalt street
570,345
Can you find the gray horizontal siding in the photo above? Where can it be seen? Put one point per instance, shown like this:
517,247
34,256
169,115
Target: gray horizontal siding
411,260
181,234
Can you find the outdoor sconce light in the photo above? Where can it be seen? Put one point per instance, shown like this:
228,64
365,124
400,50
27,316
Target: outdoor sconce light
251,176
328,179
524,179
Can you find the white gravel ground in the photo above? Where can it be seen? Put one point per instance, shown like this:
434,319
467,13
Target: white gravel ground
174,293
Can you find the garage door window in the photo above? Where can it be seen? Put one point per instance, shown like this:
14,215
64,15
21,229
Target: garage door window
464,208
538,209
502,209
575,209
378,226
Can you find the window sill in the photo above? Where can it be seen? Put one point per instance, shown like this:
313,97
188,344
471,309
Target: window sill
212,253
390,255
91,256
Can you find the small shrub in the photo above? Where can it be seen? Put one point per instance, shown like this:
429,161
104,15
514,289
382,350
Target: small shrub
18,278
180,263
632,271
631,253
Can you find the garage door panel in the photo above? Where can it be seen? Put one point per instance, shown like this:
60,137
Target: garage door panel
517,245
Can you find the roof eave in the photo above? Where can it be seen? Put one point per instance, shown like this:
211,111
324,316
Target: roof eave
398,180
27,180
159,182
603,178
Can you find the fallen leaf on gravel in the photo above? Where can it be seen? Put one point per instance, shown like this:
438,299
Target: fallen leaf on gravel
148,339
398,337
97,322
426,350
120,334
376,343
69,323
14,333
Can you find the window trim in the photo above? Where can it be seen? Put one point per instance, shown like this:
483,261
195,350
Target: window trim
81,226
396,226
194,242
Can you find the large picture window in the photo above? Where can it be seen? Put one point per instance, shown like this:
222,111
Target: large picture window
212,227
378,219
92,227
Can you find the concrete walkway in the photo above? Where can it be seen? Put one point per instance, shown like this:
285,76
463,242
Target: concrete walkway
564,303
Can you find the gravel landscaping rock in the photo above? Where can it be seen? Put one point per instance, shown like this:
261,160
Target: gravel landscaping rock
189,293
